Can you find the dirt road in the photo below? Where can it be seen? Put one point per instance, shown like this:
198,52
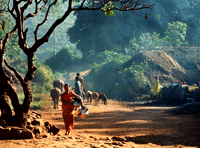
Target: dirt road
117,125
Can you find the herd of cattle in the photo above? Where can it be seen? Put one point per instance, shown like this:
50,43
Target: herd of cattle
95,96
87,94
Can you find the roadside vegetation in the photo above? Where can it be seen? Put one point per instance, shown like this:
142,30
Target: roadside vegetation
41,101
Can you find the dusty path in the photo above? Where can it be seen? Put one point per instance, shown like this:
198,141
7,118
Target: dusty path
138,127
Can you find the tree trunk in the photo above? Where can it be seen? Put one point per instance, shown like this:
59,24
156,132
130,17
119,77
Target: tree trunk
8,87
28,98
6,113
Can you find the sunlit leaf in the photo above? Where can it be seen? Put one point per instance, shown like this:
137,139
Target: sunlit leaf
106,13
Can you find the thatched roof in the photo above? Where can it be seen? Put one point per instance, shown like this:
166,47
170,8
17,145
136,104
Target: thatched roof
160,64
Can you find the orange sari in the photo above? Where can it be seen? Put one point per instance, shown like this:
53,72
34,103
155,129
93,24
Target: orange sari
68,110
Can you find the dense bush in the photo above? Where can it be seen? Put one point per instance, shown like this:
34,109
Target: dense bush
121,85
43,80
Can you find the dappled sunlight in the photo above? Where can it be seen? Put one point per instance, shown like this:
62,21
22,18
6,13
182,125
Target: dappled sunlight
135,121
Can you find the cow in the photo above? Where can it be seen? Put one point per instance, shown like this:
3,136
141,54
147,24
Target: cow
94,97
89,96
55,95
103,97
59,84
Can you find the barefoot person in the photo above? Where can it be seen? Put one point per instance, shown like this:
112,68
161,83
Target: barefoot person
68,108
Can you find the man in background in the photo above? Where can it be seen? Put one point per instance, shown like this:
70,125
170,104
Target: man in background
81,80
77,88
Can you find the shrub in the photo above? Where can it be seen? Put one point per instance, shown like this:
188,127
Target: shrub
40,101
121,85
43,103
43,80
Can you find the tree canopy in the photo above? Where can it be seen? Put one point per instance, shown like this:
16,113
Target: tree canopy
97,32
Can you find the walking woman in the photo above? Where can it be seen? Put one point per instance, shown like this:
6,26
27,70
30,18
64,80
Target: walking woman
155,90
67,99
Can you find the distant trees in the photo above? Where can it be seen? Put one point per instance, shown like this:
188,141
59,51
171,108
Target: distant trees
63,60
114,33
174,35
17,9
99,33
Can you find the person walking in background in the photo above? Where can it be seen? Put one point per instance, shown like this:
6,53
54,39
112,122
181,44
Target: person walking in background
55,95
81,80
77,89
155,90
67,99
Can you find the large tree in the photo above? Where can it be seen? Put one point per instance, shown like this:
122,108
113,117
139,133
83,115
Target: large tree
126,26
18,10
115,32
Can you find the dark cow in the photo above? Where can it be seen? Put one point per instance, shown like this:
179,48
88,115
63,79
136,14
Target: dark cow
59,84
103,97
55,95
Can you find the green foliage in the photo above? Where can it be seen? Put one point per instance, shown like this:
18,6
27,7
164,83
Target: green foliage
43,80
134,44
12,50
63,60
107,8
135,77
40,101
43,102
107,56
1,23
148,41
116,84
175,33
98,33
